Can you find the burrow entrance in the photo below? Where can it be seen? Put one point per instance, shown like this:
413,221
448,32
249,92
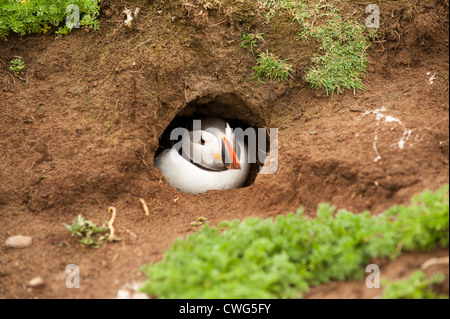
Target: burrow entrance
232,109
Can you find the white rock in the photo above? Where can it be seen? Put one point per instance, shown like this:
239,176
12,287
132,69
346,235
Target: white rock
36,282
131,291
19,241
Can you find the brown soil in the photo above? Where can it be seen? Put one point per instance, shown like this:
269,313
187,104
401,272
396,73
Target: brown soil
79,132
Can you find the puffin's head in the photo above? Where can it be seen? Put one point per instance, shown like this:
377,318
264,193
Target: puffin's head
213,145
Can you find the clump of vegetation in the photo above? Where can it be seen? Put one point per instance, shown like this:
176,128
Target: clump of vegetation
342,58
282,258
268,66
416,287
250,41
35,16
17,65
90,234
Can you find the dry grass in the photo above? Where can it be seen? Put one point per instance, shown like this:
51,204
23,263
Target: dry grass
209,12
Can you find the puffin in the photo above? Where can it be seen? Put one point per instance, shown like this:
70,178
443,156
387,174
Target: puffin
208,157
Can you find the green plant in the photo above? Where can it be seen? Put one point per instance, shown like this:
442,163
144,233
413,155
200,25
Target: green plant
416,287
342,59
343,56
17,65
34,16
90,234
268,66
250,41
282,258
63,30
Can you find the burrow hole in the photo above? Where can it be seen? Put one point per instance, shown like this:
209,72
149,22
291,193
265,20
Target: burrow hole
228,107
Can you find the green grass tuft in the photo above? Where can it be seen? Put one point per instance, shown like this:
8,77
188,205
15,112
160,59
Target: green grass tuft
342,60
250,41
268,66
282,258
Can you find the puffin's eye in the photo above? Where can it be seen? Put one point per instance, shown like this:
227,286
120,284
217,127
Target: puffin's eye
202,141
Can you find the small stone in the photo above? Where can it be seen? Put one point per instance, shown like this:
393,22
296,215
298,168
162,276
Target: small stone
36,282
356,108
19,241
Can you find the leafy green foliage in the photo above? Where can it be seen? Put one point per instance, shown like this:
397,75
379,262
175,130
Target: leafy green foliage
34,16
282,258
17,65
90,234
270,67
250,41
63,30
416,287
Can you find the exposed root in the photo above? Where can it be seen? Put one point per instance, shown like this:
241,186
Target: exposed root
131,17
112,236
144,205
434,261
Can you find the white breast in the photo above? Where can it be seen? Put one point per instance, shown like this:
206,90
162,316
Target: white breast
188,178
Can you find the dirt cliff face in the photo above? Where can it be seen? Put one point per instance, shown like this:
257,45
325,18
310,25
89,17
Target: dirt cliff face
79,130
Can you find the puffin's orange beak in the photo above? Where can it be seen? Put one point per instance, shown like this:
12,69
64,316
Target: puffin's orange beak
232,156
